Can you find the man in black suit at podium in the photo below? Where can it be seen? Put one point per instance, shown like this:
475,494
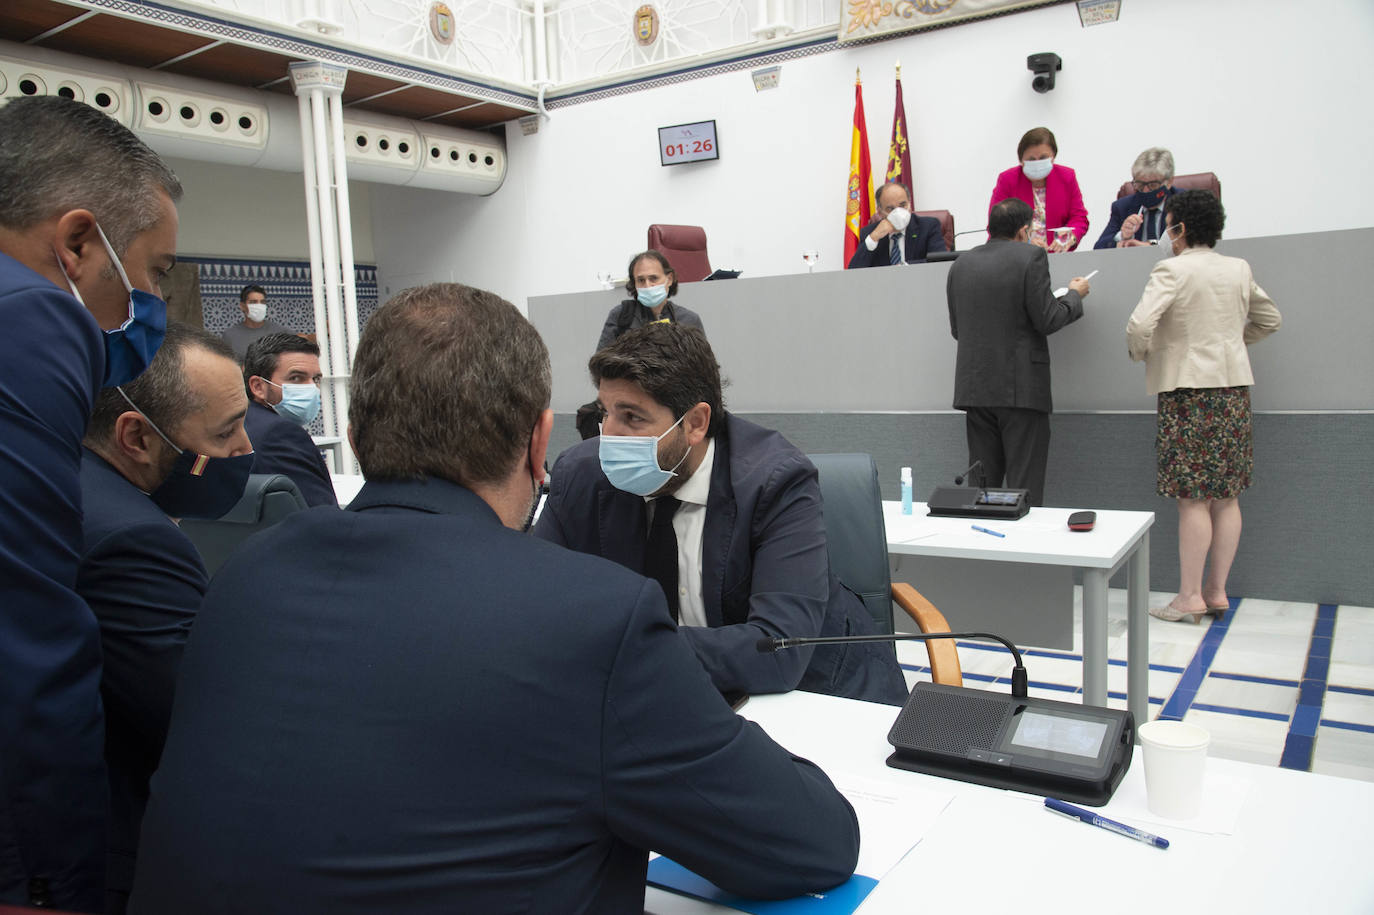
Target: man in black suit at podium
915,236
1001,310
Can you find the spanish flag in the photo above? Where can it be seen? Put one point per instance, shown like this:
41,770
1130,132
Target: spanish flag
858,208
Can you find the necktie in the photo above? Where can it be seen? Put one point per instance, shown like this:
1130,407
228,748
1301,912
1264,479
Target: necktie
894,250
660,557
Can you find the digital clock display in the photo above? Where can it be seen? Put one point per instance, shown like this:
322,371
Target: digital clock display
688,143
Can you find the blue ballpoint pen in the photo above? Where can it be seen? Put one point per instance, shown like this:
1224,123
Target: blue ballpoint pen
984,530
1093,819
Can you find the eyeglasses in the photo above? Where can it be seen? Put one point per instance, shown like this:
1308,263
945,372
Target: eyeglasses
1147,185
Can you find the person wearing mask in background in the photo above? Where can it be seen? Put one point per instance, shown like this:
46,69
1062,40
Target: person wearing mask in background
255,324
88,228
168,445
281,373
1191,327
412,706
1138,218
651,285
1048,188
914,236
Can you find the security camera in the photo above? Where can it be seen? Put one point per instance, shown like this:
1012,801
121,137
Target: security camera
1044,67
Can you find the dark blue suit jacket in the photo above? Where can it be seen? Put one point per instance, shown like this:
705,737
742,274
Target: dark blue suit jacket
1121,208
765,570
435,713
922,236
144,581
53,791
281,446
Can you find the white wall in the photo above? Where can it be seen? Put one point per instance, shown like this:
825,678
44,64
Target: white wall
232,211
1268,95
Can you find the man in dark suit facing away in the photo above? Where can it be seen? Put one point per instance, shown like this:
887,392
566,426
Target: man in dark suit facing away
1001,310
436,712
139,573
724,514
281,373
915,236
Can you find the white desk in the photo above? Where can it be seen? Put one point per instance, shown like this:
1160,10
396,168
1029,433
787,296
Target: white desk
1301,842
1043,538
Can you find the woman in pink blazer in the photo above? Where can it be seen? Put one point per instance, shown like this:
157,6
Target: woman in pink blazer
1051,190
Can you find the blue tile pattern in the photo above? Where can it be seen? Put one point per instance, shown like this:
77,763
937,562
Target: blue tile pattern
1302,730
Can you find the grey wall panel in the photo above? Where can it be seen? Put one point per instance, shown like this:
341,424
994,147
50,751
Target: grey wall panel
874,340
1309,518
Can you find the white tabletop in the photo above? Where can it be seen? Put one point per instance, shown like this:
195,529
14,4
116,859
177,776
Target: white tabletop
1300,842
1042,536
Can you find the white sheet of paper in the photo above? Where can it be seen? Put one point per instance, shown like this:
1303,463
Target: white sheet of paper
892,820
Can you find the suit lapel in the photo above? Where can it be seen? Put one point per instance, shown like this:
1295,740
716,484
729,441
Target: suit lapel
622,528
718,533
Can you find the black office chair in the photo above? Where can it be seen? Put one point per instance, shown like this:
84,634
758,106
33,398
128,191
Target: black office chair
857,541
268,498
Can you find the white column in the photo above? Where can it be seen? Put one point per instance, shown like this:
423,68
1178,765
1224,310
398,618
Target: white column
317,277
350,285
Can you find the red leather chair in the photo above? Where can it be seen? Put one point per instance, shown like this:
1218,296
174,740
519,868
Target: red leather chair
685,248
946,219
1200,181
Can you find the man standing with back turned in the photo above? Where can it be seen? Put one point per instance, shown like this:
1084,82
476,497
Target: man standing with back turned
1001,310
87,218
436,712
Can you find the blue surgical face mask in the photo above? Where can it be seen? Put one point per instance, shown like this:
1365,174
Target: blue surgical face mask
130,347
652,296
1037,169
199,486
299,402
630,462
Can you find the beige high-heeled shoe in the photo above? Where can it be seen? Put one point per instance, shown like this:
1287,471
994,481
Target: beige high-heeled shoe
1173,615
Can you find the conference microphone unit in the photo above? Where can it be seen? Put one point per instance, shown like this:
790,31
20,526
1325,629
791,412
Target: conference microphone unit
1078,753
959,501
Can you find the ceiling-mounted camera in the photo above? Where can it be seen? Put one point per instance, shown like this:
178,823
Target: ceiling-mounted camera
1044,66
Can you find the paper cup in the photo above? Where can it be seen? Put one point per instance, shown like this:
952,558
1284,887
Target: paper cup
1175,761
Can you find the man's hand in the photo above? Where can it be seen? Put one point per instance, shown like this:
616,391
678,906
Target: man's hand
1129,226
1080,286
882,230
1132,243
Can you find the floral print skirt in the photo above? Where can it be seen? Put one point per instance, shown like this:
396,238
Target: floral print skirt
1204,443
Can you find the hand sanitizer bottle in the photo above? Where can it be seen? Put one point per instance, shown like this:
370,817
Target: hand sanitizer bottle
906,490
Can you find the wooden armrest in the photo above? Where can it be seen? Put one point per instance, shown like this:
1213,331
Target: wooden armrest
943,653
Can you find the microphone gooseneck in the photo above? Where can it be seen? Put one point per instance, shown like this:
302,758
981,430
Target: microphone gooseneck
1018,672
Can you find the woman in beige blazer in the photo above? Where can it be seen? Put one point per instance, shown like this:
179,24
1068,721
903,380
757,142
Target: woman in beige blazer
1191,327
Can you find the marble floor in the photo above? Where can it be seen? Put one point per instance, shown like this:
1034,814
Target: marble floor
1275,683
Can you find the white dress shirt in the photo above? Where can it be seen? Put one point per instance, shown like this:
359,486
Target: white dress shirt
688,525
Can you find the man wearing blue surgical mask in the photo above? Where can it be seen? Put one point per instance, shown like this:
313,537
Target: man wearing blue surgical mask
170,444
724,514
88,228
281,373
1138,217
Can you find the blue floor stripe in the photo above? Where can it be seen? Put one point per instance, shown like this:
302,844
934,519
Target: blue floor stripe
1348,726
1188,685
1302,730
1350,690
1250,678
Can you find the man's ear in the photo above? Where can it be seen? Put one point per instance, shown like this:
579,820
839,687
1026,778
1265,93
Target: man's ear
136,439
258,388
695,423
539,444
75,239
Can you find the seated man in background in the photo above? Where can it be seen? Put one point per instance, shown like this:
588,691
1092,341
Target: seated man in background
1138,219
140,575
435,712
724,514
255,324
914,236
282,375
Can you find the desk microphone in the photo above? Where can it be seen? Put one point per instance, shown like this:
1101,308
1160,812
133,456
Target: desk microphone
1018,670
982,476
